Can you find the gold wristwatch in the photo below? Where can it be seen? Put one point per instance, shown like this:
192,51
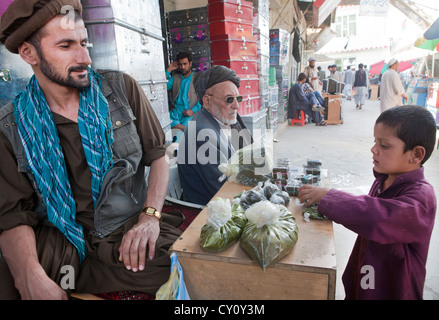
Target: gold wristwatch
150,211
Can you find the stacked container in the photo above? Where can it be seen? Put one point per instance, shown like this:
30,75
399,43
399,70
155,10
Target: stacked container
279,49
261,32
188,31
232,45
126,37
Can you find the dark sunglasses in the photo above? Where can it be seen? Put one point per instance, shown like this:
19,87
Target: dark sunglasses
229,99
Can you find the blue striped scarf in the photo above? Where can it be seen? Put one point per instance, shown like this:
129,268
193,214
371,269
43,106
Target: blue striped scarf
44,153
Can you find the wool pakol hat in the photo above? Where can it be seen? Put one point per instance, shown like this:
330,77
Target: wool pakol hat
23,17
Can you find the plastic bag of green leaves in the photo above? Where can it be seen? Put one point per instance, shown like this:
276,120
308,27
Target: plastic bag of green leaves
270,233
223,226
249,165
312,213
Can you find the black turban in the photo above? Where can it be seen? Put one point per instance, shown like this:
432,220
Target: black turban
203,80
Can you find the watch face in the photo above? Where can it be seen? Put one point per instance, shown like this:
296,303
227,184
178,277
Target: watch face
150,210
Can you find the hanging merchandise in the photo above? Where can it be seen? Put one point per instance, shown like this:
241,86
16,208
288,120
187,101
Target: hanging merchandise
296,46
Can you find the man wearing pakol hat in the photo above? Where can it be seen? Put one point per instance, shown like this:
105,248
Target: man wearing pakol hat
391,88
312,73
74,146
212,136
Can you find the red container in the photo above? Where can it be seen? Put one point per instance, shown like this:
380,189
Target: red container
233,29
241,67
242,2
220,10
233,49
249,85
250,104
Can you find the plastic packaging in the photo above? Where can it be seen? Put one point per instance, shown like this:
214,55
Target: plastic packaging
249,165
263,191
174,288
312,213
223,226
270,233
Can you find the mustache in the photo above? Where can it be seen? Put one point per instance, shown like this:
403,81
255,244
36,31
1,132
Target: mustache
77,68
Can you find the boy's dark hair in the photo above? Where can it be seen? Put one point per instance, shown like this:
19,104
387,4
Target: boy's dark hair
414,125
182,55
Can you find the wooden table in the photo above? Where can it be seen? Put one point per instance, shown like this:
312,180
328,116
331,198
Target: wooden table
308,272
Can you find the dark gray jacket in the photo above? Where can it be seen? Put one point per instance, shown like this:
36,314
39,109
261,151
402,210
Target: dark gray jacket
123,190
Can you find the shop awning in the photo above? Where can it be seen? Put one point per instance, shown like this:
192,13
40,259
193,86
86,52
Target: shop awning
322,9
432,32
381,66
342,45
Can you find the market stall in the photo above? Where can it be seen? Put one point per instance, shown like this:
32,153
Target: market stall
308,272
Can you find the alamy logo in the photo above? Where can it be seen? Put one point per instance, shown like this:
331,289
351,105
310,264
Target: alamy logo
68,280
68,21
208,146
368,280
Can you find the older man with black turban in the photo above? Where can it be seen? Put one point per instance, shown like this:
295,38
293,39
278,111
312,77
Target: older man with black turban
212,136
74,147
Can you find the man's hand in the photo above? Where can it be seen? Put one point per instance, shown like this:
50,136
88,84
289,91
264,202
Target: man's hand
132,250
18,248
38,286
310,195
179,126
173,66
188,113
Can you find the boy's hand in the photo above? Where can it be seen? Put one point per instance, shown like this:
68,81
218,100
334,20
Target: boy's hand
310,195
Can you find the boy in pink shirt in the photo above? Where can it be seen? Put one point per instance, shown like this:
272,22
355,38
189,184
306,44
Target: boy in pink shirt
395,221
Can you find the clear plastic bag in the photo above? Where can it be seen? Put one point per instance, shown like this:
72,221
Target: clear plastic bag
313,213
270,233
249,165
174,288
223,226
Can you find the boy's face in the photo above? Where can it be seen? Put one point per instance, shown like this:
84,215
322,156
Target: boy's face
388,152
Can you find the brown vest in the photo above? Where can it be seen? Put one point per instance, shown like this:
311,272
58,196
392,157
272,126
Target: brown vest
192,95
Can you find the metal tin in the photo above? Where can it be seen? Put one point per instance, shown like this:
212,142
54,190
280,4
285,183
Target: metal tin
221,10
233,29
197,49
241,67
189,33
14,75
119,47
232,49
250,104
249,85
142,14
179,18
256,123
